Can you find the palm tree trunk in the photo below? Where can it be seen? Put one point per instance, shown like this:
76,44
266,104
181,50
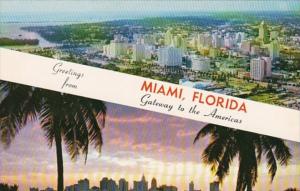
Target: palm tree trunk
240,183
59,160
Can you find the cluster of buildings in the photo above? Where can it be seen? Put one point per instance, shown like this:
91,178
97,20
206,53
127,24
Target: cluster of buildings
117,47
261,67
37,189
263,51
195,52
244,54
108,184
120,46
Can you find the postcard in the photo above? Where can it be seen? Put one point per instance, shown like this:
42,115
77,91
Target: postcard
140,95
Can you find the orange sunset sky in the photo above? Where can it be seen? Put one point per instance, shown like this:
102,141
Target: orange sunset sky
136,142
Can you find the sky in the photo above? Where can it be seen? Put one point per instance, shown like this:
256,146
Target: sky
147,5
73,11
136,142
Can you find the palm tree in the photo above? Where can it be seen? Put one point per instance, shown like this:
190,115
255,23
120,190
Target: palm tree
226,144
75,121
6,187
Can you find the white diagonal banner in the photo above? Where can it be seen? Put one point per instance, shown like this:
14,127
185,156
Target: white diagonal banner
149,94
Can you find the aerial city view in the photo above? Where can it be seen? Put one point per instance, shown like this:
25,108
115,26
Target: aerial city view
246,49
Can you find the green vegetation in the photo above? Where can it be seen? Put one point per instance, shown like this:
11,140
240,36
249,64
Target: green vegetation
236,16
46,52
18,42
75,33
158,22
270,98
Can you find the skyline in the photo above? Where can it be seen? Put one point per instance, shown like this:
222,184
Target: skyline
128,152
111,184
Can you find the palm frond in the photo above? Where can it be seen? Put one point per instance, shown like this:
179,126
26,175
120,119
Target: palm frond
208,129
281,150
16,106
226,160
271,160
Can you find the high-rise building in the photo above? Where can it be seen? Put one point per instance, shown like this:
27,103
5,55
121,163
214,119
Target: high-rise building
239,37
245,47
153,183
84,185
169,56
33,189
191,186
138,52
112,185
263,32
140,185
204,40
123,185
168,37
179,42
95,188
150,39
255,50
137,37
228,42
274,49
108,185
149,51
257,69
217,41
104,184
214,186
193,42
49,189
200,64
74,187
116,48
168,188
260,68
68,188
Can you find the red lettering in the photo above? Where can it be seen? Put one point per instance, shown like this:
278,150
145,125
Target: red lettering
213,98
147,87
220,101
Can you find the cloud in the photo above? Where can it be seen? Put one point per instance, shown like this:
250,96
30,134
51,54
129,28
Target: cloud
135,142
186,132
133,119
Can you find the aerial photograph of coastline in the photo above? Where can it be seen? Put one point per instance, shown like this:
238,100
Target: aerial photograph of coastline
51,141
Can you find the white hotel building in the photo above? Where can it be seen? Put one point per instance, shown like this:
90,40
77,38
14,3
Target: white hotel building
169,56
138,52
141,51
260,68
116,48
